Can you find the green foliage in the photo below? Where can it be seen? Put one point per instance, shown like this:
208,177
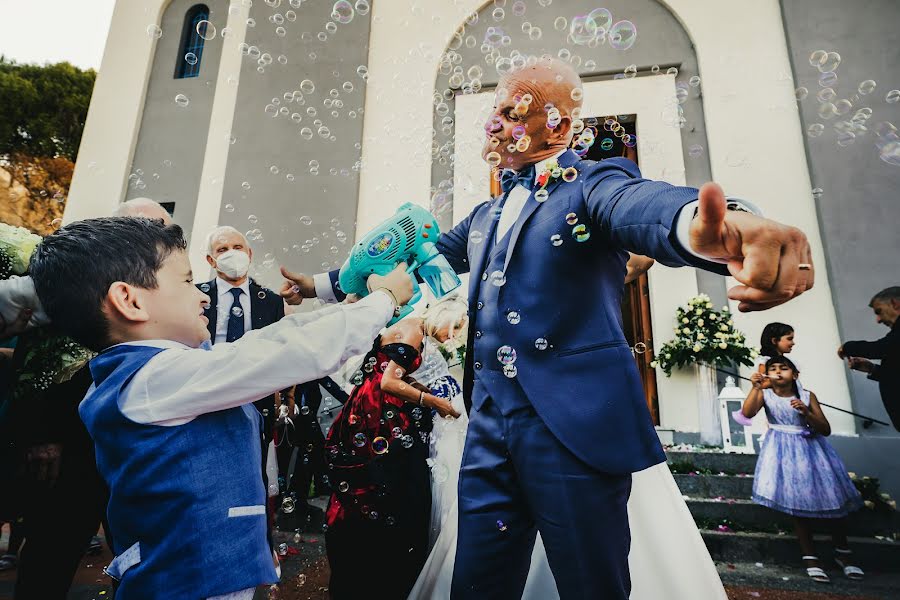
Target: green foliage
870,490
704,335
44,108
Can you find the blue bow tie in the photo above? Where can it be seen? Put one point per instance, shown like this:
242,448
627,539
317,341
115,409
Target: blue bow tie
510,179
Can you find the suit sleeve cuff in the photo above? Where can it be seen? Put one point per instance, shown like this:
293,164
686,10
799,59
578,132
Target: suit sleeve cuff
686,215
324,288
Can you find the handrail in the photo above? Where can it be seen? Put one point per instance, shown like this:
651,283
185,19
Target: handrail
867,421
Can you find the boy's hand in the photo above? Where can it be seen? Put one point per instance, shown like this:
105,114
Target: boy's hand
397,281
297,287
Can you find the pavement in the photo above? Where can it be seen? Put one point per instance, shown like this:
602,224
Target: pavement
305,573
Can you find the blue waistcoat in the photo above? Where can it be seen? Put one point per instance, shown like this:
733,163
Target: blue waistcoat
187,504
486,313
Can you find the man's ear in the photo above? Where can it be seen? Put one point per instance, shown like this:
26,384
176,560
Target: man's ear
561,132
124,303
250,253
211,261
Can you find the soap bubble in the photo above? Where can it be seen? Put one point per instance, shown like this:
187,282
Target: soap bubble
827,79
506,355
801,93
206,30
815,130
695,150
892,97
307,86
362,6
890,153
622,35
190,58
694,81
829,63
866,87
817,58
153,31
826,95
560,23
182,101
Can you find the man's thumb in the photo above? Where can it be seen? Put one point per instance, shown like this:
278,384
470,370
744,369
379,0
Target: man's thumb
289,275
711,211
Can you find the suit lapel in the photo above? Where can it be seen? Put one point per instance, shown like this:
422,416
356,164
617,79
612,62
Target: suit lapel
488,223
257,307
567,159
212,312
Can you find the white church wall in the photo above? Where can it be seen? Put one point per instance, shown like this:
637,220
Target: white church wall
743,61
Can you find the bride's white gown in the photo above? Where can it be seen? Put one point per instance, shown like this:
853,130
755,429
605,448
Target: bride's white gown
668,557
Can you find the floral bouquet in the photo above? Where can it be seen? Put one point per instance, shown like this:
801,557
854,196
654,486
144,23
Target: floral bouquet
46,356
16,246
704,335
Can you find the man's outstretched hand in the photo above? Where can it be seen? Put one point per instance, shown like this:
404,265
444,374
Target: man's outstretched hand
297,287
763,255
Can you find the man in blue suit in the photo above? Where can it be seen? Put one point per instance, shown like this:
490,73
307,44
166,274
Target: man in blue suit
558,417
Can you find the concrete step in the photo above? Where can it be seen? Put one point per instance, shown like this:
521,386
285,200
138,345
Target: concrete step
749,547
765,580
750,516
716,462
715,486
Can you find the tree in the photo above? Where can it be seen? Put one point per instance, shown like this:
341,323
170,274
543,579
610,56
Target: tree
43,108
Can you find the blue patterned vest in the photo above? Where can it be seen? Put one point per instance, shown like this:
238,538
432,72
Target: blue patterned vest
187,504
492,353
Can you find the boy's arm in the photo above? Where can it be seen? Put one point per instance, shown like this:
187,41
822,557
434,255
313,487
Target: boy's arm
178,385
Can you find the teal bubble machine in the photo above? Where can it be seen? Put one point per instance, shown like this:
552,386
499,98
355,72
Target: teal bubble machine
409,236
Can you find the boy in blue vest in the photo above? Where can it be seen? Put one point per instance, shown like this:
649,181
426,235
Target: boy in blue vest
165,414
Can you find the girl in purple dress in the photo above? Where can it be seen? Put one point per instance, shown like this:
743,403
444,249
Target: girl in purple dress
798,472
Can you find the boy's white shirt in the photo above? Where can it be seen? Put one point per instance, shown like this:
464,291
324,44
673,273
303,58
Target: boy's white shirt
182,383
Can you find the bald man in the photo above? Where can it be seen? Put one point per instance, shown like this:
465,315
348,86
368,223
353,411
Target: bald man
143,207
558,420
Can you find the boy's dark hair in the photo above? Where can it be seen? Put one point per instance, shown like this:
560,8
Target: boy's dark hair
772,331
780,359
74,267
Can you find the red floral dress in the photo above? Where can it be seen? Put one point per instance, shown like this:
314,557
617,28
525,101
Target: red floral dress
376,451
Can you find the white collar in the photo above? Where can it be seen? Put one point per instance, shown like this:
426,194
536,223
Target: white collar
224,287
539,166
164,344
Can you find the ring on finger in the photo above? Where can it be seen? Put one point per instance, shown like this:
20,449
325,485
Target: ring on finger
804,266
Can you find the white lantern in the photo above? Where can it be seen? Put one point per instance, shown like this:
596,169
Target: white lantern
737,434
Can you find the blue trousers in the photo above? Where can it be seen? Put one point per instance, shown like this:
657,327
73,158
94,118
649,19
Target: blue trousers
517,479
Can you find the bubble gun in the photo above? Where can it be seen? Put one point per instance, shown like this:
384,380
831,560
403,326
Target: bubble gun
409,236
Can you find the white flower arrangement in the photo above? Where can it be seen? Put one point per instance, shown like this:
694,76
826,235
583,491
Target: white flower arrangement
704,335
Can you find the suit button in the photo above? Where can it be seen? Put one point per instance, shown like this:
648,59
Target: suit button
477,365
478,334
480,305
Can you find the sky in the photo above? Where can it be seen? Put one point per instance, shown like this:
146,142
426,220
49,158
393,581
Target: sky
41,31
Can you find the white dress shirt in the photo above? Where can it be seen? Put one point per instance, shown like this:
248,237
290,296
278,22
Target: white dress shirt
514,204
516,199
17,294
223,307
181,383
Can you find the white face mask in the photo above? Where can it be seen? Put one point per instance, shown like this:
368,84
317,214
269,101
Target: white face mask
233,264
